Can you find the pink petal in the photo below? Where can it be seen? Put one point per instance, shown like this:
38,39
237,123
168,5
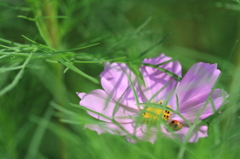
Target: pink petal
147,134
199,79
218,98
100,102
155,79
115,82
111,128
198,133
80,95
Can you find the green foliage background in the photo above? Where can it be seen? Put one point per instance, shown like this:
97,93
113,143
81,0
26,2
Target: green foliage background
50,49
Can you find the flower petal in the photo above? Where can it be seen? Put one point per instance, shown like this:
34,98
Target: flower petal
115,82
146,134
156,80
80,95
218,99
199,79
111,128
100,102
197,104
198,133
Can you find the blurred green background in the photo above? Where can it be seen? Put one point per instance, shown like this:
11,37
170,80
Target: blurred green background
38,81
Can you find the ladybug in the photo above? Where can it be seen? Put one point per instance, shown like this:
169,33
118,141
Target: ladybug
175,125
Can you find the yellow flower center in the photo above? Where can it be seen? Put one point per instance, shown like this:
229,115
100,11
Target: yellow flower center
152,115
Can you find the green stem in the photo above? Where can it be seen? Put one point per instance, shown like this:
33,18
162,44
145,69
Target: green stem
49,30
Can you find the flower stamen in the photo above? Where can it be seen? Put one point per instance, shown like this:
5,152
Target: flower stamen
152,115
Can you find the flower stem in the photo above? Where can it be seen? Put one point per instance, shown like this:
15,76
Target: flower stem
46,13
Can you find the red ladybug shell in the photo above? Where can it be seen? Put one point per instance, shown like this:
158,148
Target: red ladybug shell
175,125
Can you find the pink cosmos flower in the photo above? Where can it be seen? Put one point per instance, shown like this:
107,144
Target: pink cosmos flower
170,106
